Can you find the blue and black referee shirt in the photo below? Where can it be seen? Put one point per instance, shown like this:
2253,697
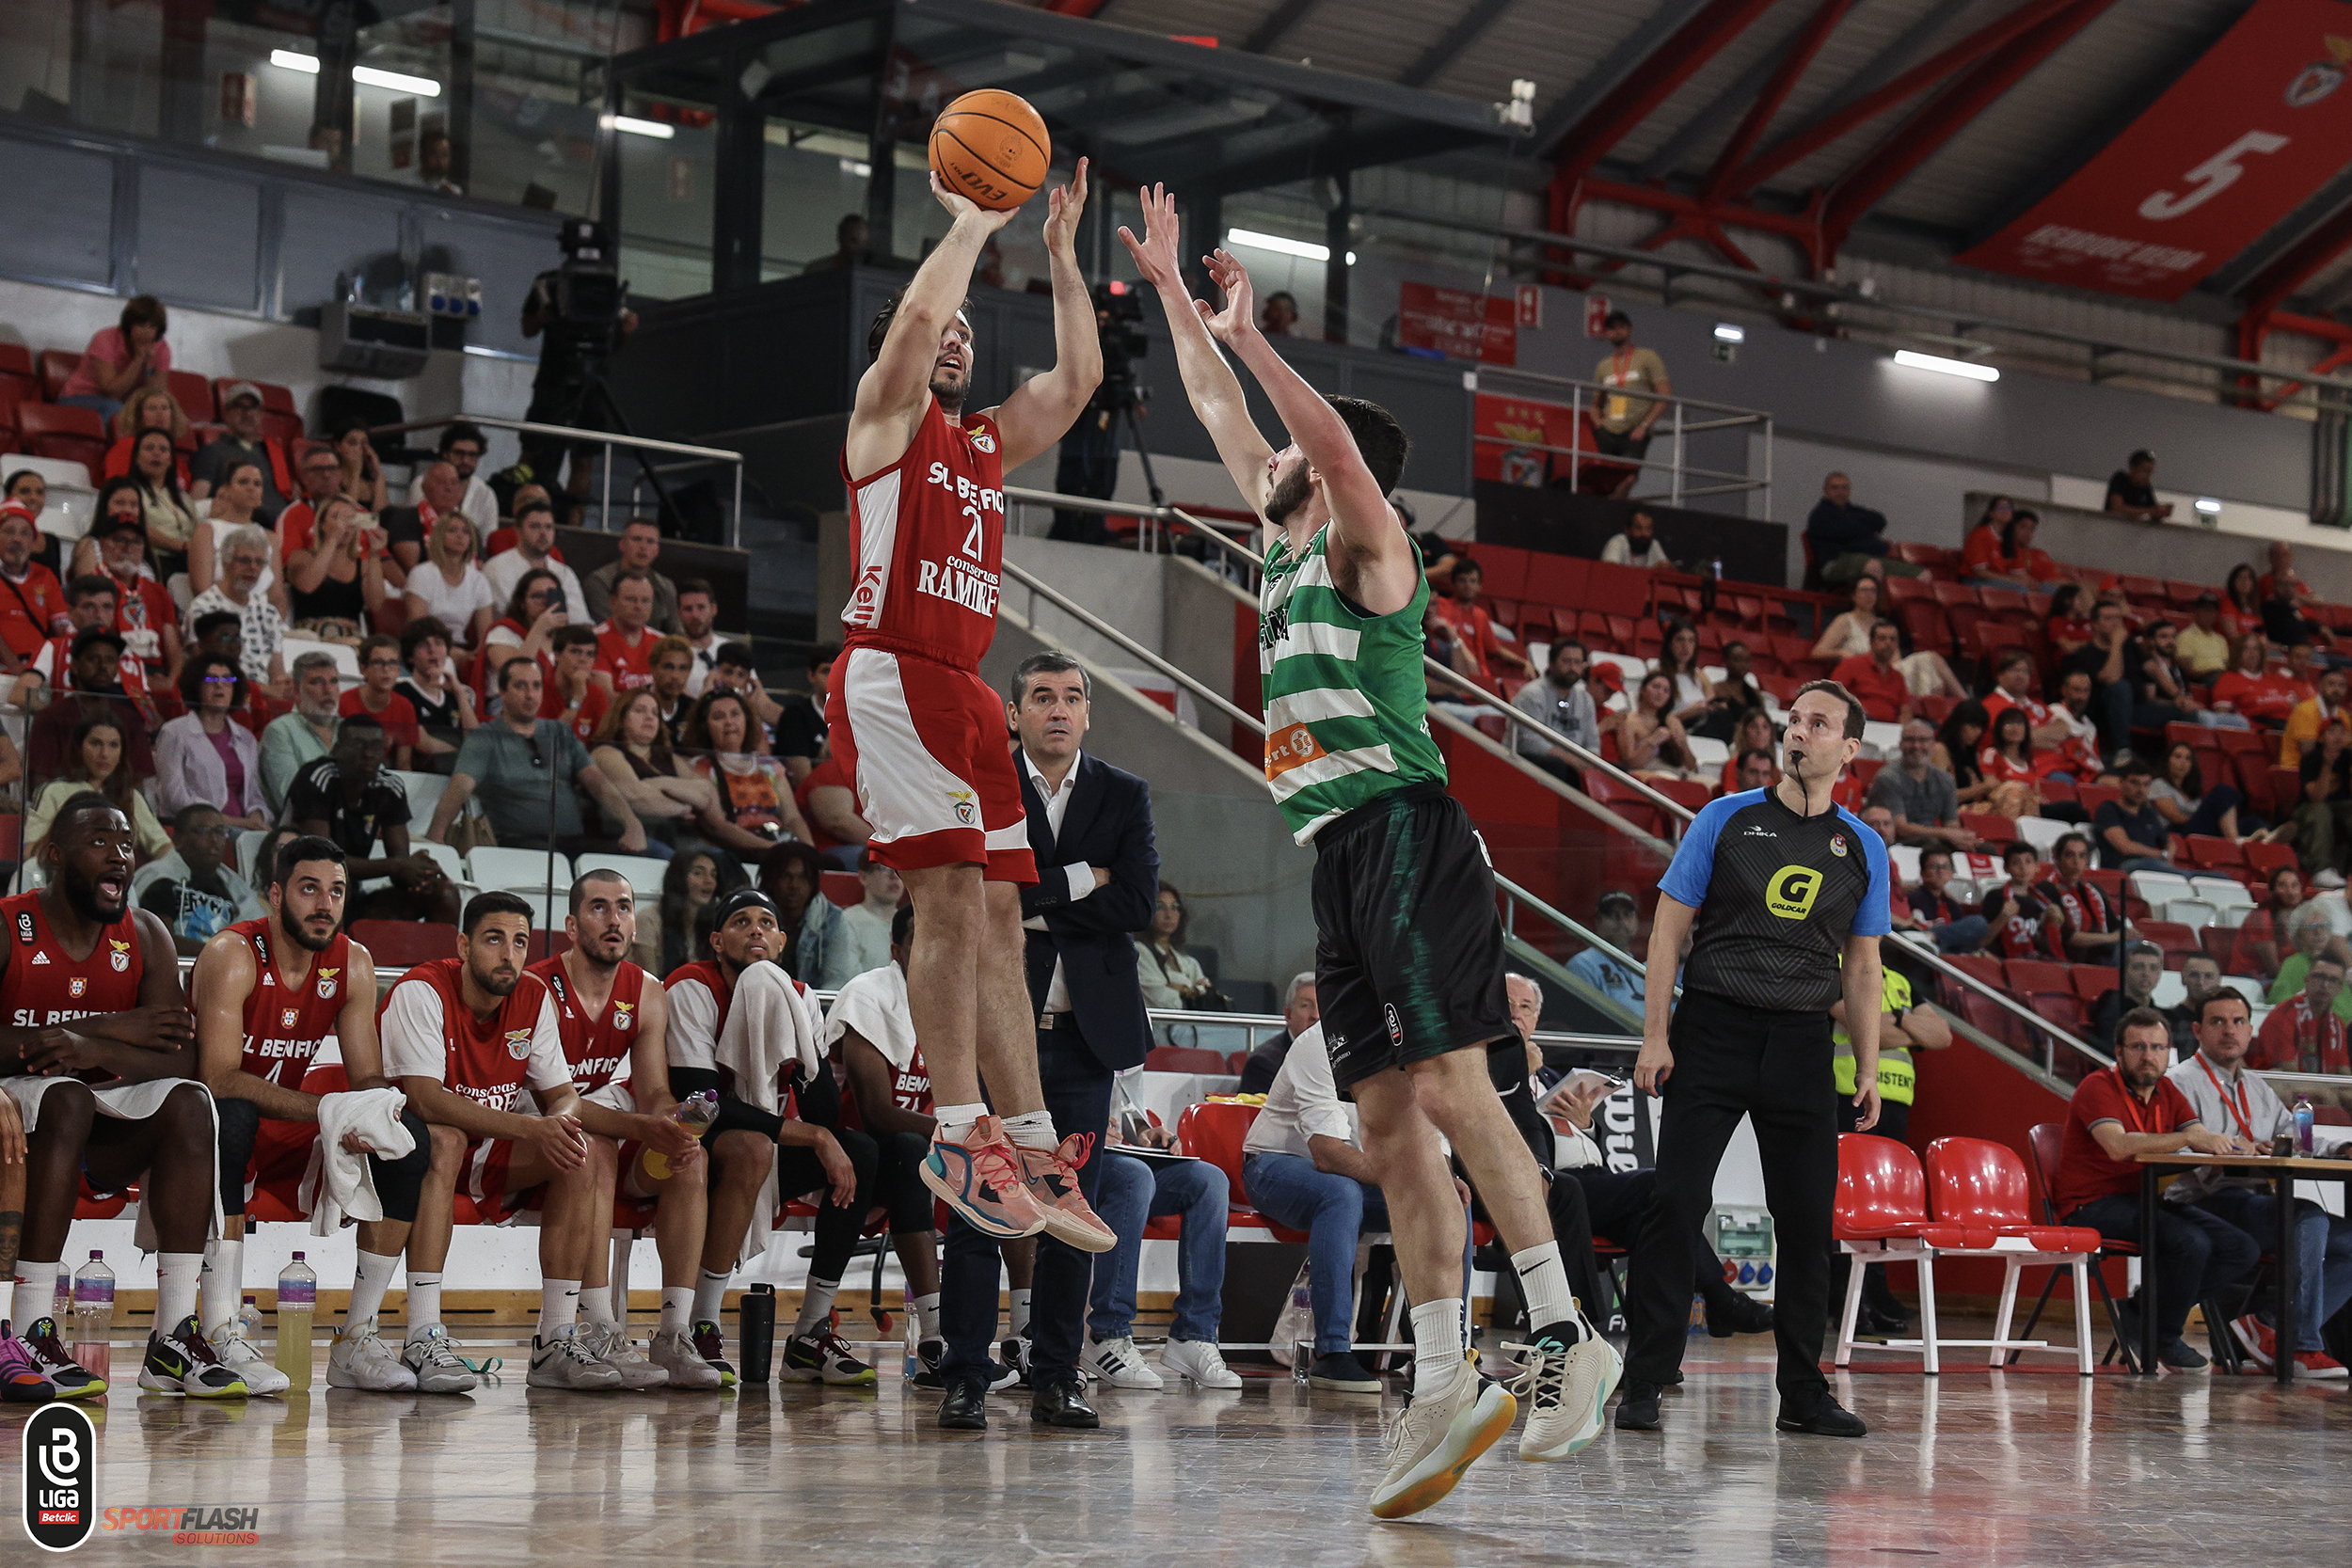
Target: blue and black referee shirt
1777,895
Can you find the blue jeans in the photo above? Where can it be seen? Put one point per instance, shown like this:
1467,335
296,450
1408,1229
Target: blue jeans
1965,935
106,408
1333,1211
2197,1253
2323,1258
2146,863
1132,1194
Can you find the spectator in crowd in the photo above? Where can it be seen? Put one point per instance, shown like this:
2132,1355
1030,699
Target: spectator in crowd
2250,688
2303,1032
2111,660
1755,733
572,692
349,796
1278,317
2067,628
2308,936
1622,417
2282,558
2132,833
693,881
698,614
448,586
2223,1093
1849,632
92,689
2199,978
1846,539
196,890
520,767
2012,687
260,630
640,544
243,442
362,469
533,551
829,805
204,757
1678,660
866,923
1303,1166
153,409
1922,796
1130,1194
97,762
733,669
753,791
2283,621
625,643
1650,739
673,802
2201,646
234,504
2188,807
1874,679
342,577
1474,628
2074,759
2008,760
2323,707
144,611
170,515
377,695
1736,695
850,239
1558,701
90,604
2143,966
1955,928
1903,1027
2164,694
2323,822
1638,545
443,703
462,447
816,949
1617,921
2241,609
2131,1109
1172,978
1983,553
121,358
321,477
1756,770
2131,490
801,728
535,611
1300,1013
2022,923
294,739
2260,934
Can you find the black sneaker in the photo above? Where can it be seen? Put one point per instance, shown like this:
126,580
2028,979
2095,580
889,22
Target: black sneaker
711,1346
929,1355
1341,1372
2182,1357
1637,1407
1015,1354
182,1362
1831,1419
825,1357
68,1377
1740,1315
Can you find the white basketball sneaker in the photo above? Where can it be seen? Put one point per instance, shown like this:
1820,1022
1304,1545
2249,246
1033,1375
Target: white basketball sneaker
358,1359
237,1354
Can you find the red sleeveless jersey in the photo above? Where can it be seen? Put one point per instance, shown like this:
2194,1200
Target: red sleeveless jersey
927,556
44,985
283,1026
597,1048
485,1061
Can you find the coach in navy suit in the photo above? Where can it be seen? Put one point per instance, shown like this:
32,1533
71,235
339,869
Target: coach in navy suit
1098,876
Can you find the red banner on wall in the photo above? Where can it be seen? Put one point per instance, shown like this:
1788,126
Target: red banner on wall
2251,131
1460,324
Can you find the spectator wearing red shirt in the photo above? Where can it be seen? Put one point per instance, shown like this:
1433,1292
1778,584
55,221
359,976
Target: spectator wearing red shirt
322,480
828,803
576,695
2253,688
625,643
2024,924
2303,1032
1956,929
2008,555
2067,628
379,672
2282,565
2012,687
92,601
1472,625
1872,676
32,601
2093,929
144,614
2076,757
2132,1109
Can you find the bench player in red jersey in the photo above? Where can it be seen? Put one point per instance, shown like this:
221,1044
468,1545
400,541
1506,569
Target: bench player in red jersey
924,737
97,1049
463,1037
267,993
615,1020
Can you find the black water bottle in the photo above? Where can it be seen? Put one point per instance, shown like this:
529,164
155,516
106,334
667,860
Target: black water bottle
756,1320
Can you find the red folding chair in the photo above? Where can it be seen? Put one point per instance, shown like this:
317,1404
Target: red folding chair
1983,1186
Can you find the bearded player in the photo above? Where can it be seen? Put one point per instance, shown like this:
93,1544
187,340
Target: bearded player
1408,951
922,735
614,1021
267,993
98,1050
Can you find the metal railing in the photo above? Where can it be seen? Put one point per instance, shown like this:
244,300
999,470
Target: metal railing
1584,394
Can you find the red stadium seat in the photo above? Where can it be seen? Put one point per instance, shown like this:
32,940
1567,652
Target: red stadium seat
1984,824
2091,796
2032,975
2063,1009
17,374
2092,981
2219,853
398,943
1951,593
2266,858
194,394
75,434
1214,1130
1184,1058
57,366
1924,622
845,888
2178,942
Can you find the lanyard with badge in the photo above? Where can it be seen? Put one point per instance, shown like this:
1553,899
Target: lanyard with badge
2240,1107
2132,1106
1620,366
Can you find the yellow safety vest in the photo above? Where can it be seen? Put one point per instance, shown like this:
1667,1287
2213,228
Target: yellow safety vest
1898,1082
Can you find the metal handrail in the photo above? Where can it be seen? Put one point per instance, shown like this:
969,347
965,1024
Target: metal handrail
1104,628
1928,952
1577,797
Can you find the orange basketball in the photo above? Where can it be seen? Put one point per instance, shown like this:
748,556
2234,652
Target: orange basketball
990,147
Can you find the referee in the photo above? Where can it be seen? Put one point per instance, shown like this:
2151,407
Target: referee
1774,887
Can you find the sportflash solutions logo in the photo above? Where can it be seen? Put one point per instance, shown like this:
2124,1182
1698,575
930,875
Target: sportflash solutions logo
60,1478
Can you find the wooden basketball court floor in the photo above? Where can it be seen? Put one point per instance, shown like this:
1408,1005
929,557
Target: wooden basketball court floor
2035,1466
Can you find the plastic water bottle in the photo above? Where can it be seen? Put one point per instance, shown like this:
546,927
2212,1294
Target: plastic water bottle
61,1300
694,1112
2303,1120
912,1337
250,1320
93,1314
297,1300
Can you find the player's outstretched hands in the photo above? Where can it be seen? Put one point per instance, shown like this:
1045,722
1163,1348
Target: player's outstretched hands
1064,204
967,211
1237,320
1156,253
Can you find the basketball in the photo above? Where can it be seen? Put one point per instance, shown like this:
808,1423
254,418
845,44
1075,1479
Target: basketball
990,147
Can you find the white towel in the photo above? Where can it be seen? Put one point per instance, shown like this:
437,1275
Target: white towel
772,1023
339,1186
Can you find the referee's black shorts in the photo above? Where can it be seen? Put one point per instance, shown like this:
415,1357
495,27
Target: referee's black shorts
1408,957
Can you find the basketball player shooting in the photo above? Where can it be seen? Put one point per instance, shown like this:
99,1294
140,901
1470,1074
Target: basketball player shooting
922,734
1408,955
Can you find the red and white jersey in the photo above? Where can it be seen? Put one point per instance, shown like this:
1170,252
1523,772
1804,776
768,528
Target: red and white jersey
874,1004
699,995
2037,714
45,985
284,1025
597,1048
55,665
429,1032
927,557
630,665
142,609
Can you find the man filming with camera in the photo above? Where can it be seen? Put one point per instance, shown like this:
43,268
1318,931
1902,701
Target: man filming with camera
1090,453
581,315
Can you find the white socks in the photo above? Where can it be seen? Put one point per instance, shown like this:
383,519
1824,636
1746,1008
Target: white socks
178,1276
7,1298
1019,1314
423,1305
678,1301
1033,1130
1440,1352
816,1305
558,1307
36,1286
596,1303
1544,1280
955,1121
369,1282
709,1290
223,1276
926,1310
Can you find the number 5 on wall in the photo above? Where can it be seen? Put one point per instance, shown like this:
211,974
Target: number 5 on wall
2211,178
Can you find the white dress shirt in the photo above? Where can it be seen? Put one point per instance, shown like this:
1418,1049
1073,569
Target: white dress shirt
1304,1103
1081,874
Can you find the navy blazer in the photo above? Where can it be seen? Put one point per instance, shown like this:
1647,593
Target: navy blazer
1108,825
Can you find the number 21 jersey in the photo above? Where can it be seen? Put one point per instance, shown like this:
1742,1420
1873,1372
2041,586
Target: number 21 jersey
927,553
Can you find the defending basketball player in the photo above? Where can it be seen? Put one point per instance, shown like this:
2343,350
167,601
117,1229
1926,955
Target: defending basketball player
1409,956
97,1049
615,1027
921,732
267,994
